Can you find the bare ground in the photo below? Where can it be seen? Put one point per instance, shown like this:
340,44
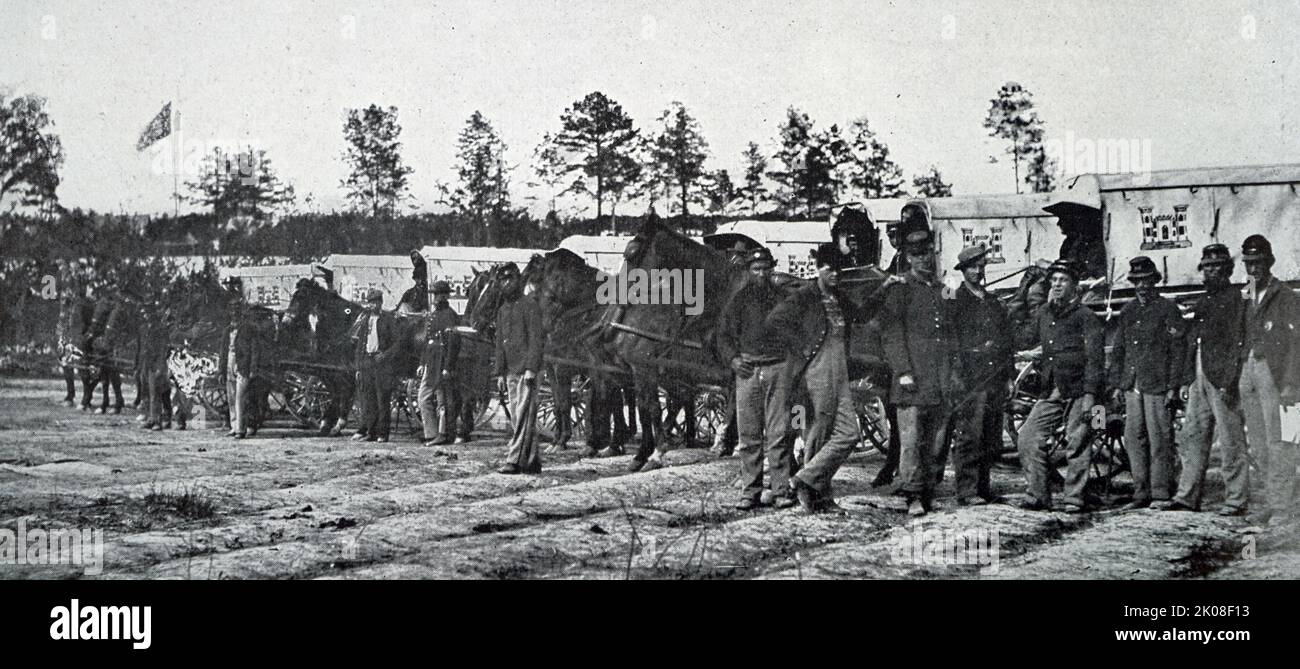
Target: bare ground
287,504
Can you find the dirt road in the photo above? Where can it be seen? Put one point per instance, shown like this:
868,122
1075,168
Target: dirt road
287,504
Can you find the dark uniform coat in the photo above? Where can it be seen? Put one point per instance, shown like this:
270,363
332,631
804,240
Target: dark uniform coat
1074,353
1148,355
1273,329
917,333
519,337
985,341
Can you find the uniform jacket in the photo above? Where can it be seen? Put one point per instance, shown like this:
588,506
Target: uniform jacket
439,319
248,349
387,329
985,342
519,337
742,325
1272,329
1218,332
1074,353
917,333
1149,350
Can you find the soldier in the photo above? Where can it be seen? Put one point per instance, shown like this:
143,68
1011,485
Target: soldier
762,384
517,361
1270,374
1214,350
374,333
1074,372
813,323
439,396
1145,370
916,336
983,365
238,362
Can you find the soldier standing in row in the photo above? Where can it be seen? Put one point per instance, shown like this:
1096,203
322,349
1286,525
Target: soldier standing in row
814,324
1145,369
518,359
438,396
1270,374
762,384
239,359
916,335
373,332
1214,350
983,365
1074,372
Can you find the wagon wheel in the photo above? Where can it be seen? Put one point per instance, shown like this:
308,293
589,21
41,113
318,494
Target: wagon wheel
710,412
873,422
306,396
404,406
1024,393
578,394
211,394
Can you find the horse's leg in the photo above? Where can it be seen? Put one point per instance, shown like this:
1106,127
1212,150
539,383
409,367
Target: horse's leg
71,396
648,456
561,387
141,378
347,390
598,416
88,379
689,400
116,378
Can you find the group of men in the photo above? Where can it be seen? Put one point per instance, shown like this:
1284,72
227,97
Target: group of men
1235,363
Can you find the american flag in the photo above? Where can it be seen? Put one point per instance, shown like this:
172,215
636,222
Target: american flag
158,128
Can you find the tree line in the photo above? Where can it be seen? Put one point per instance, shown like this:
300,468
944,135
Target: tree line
596,157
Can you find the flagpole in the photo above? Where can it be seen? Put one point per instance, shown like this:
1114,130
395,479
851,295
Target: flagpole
176,156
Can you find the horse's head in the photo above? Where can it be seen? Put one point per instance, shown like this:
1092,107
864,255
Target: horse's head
562,282
486,292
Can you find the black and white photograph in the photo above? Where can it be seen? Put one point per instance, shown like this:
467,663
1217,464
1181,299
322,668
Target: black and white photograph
849,290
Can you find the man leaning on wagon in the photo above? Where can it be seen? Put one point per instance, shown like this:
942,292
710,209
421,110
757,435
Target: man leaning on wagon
1073,369
1270,375
1145,370
763,382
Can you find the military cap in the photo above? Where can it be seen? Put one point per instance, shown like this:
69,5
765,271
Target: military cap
441,288
918,240
1142,267
828,255
375,295
1214,254
759,254
1256,247
971,255
1065,266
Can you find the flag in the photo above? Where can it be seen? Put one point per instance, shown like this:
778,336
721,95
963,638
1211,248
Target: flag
158,128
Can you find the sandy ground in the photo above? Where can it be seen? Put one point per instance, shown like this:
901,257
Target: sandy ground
287,504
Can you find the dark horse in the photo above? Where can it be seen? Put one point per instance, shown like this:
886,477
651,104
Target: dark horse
316,326
566,289
664,345
111,345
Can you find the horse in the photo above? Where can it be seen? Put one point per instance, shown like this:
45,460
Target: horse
316,324
662,344
566,289
111,346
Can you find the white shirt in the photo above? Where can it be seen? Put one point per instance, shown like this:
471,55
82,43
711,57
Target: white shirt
372,335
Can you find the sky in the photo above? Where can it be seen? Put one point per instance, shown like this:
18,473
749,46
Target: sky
1202,83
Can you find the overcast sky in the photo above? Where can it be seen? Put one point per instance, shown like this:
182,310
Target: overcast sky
1206,83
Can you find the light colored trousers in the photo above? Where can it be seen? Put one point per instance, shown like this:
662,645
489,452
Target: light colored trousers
1262,405
1212,415
833,430
1149,442
1037,441
237,399
522,449
763,422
